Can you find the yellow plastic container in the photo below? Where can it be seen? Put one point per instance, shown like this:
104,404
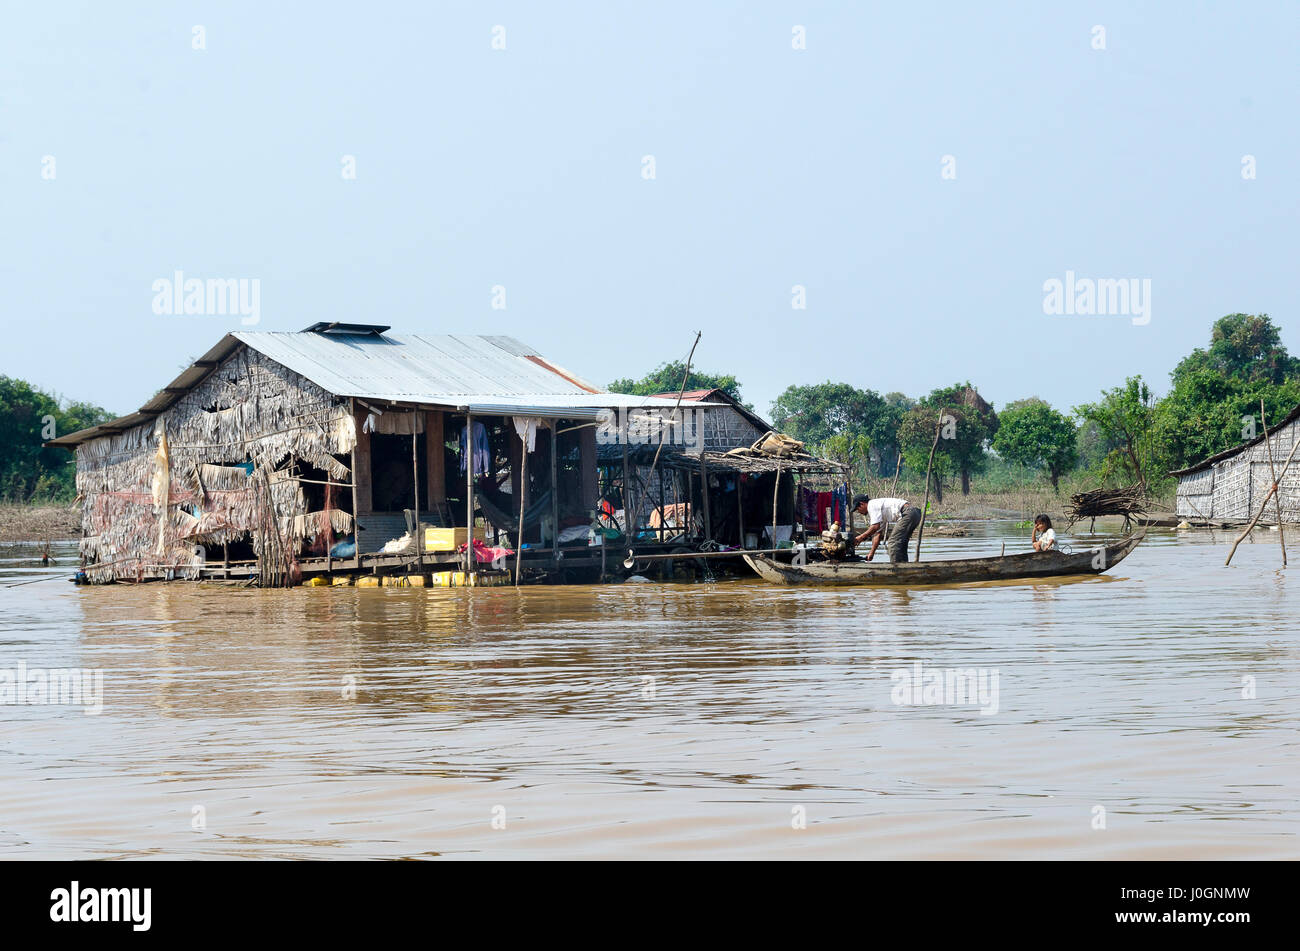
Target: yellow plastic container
342,581
449,539
320,581
367,581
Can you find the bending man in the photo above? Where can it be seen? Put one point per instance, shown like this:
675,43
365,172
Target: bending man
881,514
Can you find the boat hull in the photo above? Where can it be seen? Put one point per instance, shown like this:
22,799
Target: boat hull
1051,564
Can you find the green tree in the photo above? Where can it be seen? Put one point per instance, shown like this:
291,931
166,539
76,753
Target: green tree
1123,418
817,412
976,423
1214,401
1031,433
667,378
1247,347
916,435
29,472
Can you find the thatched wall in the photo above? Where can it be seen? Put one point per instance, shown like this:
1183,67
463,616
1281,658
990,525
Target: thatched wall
154,494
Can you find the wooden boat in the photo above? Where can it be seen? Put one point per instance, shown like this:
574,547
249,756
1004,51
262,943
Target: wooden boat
1032,564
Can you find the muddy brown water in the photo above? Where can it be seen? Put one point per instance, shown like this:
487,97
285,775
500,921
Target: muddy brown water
645,720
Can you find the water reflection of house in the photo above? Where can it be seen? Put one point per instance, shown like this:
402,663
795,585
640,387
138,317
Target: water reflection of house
273,447
1230,485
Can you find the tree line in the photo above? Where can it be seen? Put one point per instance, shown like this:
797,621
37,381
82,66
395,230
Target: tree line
29,472
1126,436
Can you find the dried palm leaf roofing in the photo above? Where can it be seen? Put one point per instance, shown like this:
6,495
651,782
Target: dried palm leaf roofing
482,374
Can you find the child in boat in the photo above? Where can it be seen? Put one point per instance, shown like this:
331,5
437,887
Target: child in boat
1044,537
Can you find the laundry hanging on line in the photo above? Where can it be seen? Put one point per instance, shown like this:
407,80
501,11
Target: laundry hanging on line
526,427
482,451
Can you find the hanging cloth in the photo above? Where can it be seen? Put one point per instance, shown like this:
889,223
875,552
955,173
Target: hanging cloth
482,452
526,427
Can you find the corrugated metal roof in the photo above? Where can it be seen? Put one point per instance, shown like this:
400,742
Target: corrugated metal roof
489,375
446,368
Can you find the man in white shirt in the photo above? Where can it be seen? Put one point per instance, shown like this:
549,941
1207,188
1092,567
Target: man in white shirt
881,514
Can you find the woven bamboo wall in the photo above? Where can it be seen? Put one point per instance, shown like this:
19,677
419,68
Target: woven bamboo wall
1235,487
725,429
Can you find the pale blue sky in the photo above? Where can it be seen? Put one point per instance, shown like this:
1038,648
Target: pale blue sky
775,167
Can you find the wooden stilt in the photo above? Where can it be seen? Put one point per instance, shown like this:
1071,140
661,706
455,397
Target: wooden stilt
1277,501
1271,492
920,531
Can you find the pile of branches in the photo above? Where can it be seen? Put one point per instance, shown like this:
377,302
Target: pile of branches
1127,502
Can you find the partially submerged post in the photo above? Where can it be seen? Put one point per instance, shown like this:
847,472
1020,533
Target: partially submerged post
523,496
415,479
1277,502
776,492
920,531
1295,444
555,496
469,493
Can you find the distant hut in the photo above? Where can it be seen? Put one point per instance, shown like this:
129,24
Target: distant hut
1230,485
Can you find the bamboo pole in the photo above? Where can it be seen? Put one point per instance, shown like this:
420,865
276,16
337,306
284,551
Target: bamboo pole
920,531
555,497
356,528
523,497
415,476
1295,444
776,493
740,507
627,487
1277,502
704,492
469,493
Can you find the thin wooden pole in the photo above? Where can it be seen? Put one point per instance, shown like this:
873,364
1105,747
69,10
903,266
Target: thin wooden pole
627,487
415,475
662,503
523,497
1277,501
555,496
704,492
356,525
740,507
1295,444
928,466
776,494
469,494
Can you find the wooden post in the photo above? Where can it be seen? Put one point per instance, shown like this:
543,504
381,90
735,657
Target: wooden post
435,464
356,511
920,531
523,495
662,503
740,507
776,494
690,502
1295,444
704,492
415,484
555,495
1277,502
627,490
469,493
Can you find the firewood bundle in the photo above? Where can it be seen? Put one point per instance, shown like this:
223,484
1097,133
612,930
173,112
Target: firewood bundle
1127,502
